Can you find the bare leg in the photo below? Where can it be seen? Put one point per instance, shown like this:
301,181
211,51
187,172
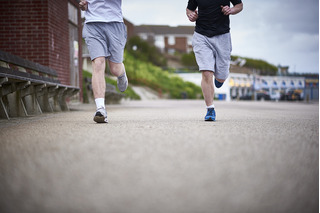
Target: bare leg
207,87
116,69
99,88
98,80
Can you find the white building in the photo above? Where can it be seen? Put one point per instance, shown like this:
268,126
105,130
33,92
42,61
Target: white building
238,85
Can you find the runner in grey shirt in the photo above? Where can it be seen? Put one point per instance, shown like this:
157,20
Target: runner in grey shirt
105,35
103,11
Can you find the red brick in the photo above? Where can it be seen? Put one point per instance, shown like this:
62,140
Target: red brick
30,27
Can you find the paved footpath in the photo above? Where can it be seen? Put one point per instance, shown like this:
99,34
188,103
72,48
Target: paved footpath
161,157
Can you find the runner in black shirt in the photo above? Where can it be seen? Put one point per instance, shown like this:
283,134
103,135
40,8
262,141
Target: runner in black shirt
211,20
212,43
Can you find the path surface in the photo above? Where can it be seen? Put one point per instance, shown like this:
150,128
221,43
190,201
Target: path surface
161,157
145,93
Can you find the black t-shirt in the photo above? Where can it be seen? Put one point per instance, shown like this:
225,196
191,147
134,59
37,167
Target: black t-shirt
211,20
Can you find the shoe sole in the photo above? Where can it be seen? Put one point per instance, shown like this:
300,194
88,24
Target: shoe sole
99,119
126,86
209,119
124,89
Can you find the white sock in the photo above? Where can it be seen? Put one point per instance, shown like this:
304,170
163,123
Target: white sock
99,103
211,106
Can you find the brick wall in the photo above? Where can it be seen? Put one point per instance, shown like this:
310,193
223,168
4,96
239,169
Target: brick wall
180,45
37,30
23,29
58,36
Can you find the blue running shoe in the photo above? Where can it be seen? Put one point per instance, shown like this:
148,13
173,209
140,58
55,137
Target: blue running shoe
217,83
211,115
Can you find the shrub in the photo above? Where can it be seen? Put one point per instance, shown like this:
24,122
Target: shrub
144,51
162,81
129,93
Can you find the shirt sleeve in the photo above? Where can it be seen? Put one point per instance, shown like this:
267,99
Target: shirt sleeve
192,5
234,2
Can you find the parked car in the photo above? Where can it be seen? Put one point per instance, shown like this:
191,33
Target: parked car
263,95
248,96
292,95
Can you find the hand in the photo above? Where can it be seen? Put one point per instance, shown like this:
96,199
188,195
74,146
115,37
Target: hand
226,10
192,15
83,5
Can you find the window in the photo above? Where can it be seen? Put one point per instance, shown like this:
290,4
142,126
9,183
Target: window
143,36
171,40
189,40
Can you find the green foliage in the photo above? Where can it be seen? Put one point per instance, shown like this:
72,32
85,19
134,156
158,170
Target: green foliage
129,93
86,74
85,91
143,51
263,67
147,74
189,60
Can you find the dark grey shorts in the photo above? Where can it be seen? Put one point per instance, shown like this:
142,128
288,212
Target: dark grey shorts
213,54
105,39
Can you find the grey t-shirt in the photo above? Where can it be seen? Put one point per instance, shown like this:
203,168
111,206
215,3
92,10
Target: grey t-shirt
104,11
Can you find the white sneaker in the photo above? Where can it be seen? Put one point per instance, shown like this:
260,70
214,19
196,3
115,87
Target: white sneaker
122,82
101,116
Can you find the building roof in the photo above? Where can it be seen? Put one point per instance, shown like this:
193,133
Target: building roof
164,30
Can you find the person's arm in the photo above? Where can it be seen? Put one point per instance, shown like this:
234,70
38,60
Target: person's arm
83,5
192,15
191,12
226,10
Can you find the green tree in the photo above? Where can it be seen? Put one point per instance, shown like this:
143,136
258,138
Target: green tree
147,74
144,51
263,67
189,60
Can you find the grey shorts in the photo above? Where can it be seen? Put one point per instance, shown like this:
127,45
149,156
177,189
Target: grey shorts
213,54
105,39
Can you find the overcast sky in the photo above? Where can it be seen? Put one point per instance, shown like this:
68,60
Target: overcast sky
280,32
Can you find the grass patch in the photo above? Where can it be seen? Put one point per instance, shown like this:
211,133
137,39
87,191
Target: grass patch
129,93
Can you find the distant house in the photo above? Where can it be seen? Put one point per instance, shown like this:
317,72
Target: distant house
168,39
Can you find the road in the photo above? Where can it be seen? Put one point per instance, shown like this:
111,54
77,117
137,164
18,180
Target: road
161,157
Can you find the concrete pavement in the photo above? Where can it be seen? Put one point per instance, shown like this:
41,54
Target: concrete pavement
160,156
